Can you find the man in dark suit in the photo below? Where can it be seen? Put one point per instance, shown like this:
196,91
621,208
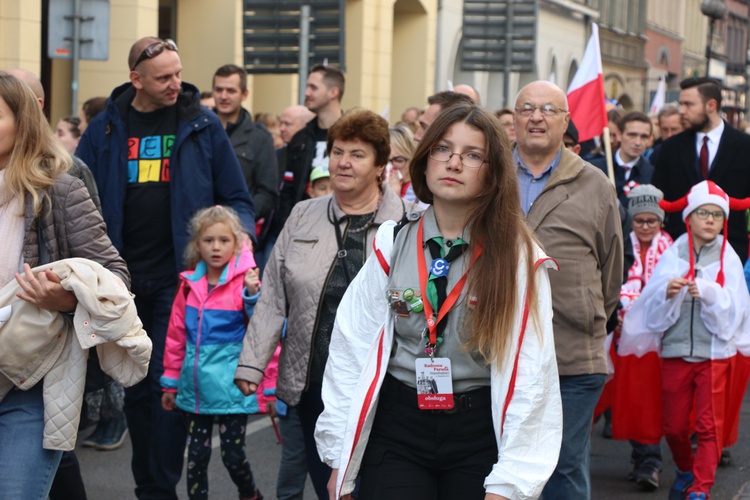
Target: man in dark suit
630,166
709,148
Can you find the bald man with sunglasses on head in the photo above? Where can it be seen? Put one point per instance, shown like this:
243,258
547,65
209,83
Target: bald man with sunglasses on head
158,157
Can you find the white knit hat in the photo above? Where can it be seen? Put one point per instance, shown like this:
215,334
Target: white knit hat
706,193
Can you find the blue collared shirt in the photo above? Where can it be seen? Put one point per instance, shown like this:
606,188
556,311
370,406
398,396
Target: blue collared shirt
532,186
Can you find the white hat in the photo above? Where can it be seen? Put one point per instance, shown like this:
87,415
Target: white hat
706,193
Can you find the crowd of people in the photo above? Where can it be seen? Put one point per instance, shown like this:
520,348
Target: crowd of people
421,305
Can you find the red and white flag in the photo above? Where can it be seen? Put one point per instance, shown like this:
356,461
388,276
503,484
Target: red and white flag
660,96
586,92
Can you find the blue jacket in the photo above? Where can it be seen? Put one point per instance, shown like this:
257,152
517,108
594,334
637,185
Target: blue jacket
204,169
204,340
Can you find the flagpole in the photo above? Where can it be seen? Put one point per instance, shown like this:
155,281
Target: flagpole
608,155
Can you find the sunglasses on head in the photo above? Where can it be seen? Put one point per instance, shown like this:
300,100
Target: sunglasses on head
154,50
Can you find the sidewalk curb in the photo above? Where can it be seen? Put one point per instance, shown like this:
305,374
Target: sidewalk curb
744,493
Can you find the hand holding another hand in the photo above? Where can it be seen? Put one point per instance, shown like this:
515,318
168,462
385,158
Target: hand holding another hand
245,387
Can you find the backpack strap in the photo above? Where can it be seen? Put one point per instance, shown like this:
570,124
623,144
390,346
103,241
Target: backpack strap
386,236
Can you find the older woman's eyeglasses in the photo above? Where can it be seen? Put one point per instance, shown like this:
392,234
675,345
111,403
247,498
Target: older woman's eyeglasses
547,109
154,50
468,160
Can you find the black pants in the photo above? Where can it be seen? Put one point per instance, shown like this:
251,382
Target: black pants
158,436
232,439
68,483
419,454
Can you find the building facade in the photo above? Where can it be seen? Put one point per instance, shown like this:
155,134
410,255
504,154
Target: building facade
210,34
665,25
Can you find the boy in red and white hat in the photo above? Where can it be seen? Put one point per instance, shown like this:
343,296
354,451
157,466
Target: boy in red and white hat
693,312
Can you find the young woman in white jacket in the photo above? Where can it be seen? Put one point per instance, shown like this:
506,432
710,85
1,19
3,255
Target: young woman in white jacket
441,381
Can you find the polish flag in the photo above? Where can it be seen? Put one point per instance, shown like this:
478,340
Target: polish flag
586,92
660,97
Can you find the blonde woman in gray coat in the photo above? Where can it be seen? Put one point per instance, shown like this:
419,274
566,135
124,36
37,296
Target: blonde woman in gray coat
45,215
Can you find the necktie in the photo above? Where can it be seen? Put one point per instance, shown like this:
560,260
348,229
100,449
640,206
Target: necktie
704,158
437,285
626,172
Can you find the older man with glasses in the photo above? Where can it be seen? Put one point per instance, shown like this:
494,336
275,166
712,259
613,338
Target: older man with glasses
572,210
158,157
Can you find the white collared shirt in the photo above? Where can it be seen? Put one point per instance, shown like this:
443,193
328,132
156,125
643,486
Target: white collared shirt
714,136
626,167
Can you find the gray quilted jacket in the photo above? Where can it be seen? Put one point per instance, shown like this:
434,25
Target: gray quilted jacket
71,227
293,284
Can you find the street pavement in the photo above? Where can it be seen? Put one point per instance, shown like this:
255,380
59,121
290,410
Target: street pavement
610,464
107,474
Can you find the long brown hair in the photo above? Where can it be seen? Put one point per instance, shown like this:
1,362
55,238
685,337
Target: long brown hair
495,222
37,158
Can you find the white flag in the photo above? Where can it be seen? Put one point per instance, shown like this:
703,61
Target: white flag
660,97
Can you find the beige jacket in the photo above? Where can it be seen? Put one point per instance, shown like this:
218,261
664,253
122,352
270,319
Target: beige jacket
38,344
293,283
577,221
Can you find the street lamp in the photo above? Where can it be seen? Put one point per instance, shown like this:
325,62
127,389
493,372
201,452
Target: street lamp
715,10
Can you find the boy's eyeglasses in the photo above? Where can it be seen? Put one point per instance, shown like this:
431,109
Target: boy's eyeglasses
704,214
154,50
646,222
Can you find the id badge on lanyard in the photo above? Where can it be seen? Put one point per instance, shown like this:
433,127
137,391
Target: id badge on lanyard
434,375
434,384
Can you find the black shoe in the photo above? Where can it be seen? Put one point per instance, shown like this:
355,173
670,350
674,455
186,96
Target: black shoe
726,458
647,479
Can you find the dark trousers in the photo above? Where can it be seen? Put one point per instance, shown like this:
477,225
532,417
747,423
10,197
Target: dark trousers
645,456
309,409
232,439
423,455
68,483
158,436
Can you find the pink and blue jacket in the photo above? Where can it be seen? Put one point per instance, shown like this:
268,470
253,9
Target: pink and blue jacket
204,341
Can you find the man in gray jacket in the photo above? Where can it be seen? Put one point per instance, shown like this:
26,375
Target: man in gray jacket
572,209
252,142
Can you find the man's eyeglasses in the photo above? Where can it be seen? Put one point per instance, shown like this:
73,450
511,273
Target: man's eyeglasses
547,109
704,214
154,50
646,222
469,160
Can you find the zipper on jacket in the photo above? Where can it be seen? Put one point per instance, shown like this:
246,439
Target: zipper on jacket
692,310
320,307
692,315
198,351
